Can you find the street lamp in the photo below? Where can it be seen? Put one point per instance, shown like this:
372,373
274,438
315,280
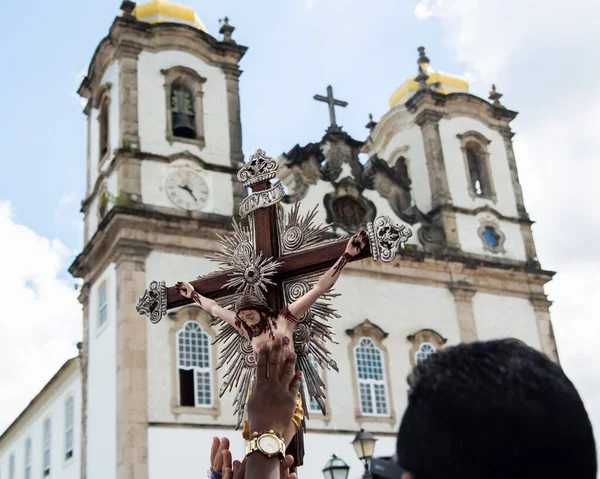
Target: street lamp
336,469
364,445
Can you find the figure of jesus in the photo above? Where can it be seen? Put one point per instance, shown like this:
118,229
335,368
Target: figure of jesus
255,321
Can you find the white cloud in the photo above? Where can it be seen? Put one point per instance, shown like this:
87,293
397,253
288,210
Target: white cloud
542,51
41,317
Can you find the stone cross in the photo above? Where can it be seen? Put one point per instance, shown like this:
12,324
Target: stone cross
332,102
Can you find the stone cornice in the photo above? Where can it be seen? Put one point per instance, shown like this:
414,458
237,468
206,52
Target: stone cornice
123,156
481,209
136,231
367,328
458,104
127,38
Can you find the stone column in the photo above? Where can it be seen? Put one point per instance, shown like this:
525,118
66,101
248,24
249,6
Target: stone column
441,198
232,75
530,250
132,370
84,297
128,96
129,176
438,179
514,174
463,299
541,306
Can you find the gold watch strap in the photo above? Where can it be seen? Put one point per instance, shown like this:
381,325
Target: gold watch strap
252,446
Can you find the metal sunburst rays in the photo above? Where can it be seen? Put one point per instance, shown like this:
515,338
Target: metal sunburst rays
297,231
251,274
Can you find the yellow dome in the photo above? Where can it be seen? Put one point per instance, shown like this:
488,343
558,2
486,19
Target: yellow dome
442,82
163,11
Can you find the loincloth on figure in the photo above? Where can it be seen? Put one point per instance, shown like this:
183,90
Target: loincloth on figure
296,419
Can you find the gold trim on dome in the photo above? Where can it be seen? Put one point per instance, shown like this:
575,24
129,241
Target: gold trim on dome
448,84
162,11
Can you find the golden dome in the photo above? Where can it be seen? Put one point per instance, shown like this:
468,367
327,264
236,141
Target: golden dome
441,82
163,11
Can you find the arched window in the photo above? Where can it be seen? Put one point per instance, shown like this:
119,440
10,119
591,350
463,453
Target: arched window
47,444
69,423
477,165
372,386
194,365
28,458
425,343
184,105
425,351
183,112
103,128
475,171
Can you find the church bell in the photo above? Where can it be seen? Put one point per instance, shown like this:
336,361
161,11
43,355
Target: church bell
183,126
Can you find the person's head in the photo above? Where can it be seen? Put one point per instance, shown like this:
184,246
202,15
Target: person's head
495,409
251,309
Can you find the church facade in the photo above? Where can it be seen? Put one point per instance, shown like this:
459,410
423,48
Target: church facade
164,148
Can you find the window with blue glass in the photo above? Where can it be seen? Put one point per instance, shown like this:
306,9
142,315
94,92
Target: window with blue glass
491,237
372,388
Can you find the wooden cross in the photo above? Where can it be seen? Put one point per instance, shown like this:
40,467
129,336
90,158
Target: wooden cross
332,102
384,240
262,204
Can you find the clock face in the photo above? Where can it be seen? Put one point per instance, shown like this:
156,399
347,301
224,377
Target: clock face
186,189
268,444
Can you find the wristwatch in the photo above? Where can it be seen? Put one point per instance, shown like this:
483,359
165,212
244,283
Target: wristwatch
268,444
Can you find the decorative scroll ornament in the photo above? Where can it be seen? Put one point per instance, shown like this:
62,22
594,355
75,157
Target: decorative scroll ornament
260,168
297,232
386,238
153,303
261,199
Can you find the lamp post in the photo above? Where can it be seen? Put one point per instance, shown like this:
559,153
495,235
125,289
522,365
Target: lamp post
336,469
364,445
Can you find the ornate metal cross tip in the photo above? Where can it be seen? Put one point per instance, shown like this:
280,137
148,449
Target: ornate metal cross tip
258,169
386,238
153,304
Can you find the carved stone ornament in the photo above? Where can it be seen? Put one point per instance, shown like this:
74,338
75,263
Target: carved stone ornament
261,199
260,168
153,303
386,238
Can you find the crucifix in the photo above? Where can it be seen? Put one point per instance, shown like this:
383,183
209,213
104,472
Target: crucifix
274,261
332,102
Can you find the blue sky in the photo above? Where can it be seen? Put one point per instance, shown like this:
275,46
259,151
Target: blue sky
539,53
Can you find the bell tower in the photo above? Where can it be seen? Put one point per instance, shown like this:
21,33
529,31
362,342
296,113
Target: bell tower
164,147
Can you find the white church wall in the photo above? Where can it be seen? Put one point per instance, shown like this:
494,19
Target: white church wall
31,426
193,447
154,176
498,316
471,242
153,111
102,383
408,142
314,197
400,309
172,268
455,166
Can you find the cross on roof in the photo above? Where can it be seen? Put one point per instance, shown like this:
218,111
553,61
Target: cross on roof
332,102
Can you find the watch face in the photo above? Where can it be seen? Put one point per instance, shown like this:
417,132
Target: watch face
186,189
268,444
